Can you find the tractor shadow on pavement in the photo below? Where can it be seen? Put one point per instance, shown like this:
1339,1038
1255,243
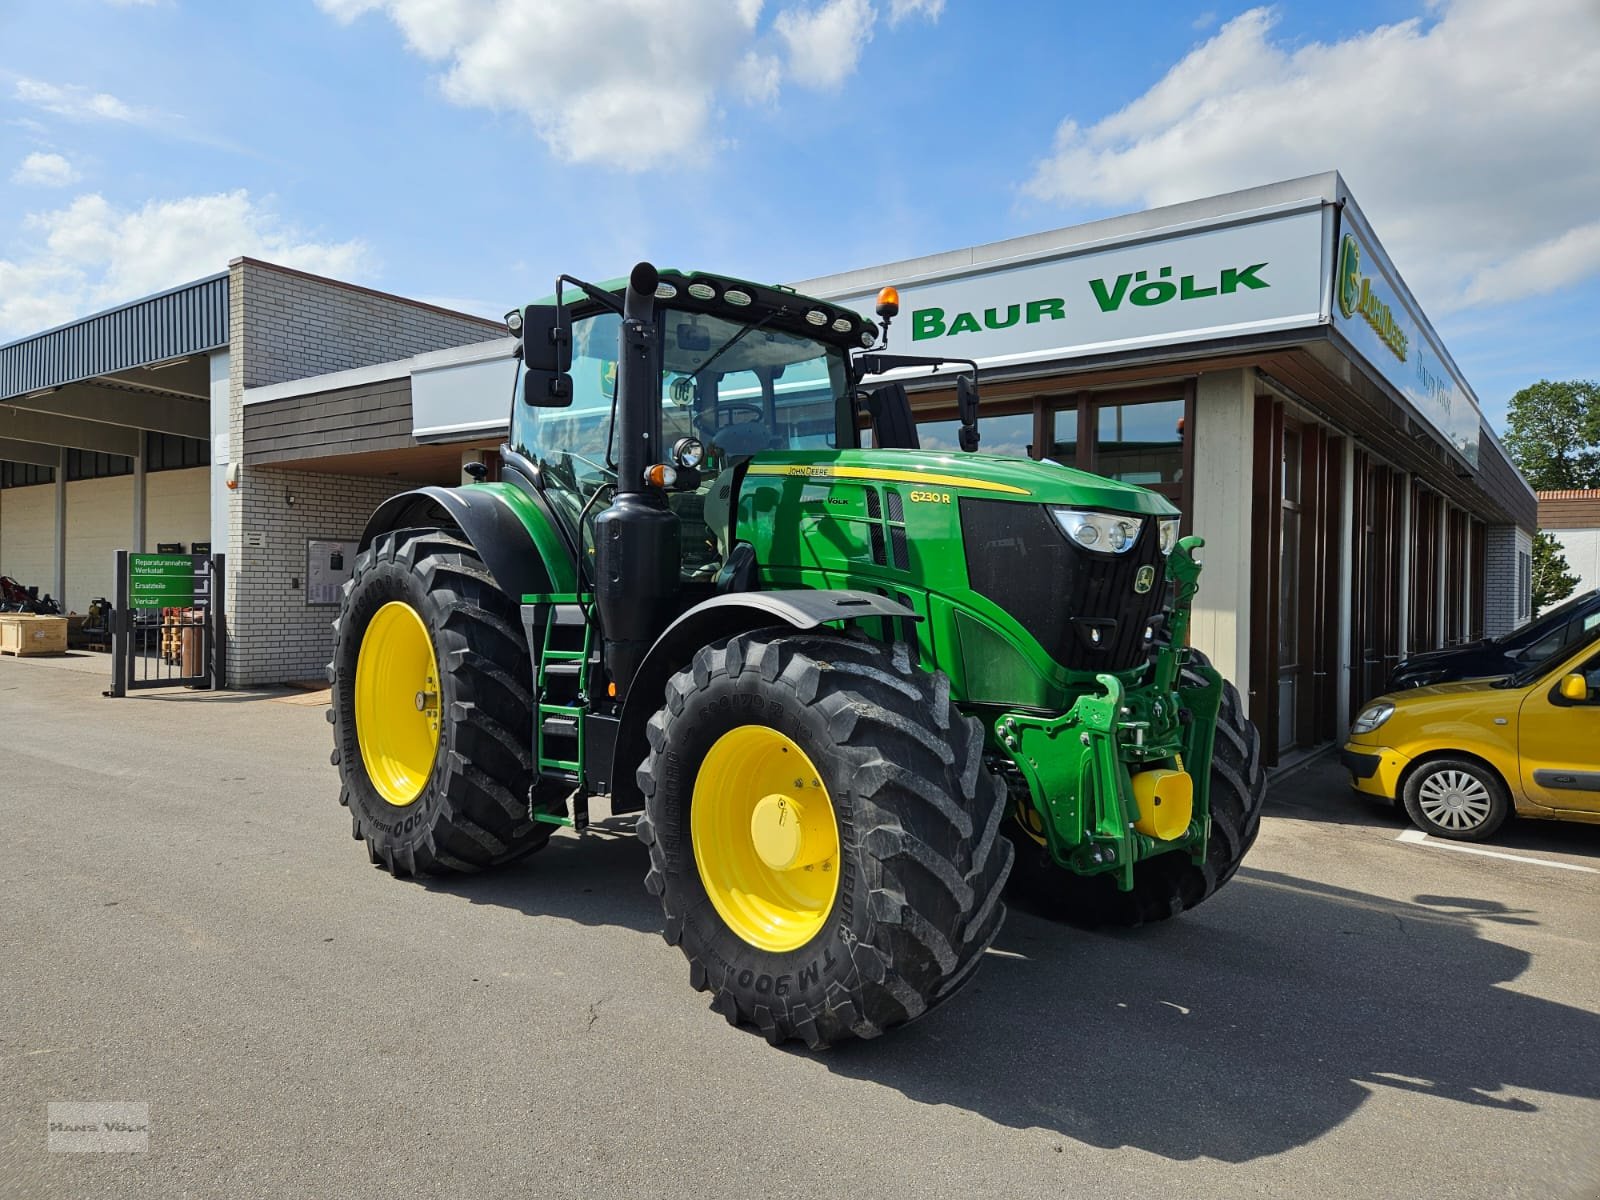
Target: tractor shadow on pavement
1253,1025
598,880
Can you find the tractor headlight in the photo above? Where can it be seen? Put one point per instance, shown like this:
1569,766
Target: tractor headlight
1168,527
1108,533
1372,716
688,452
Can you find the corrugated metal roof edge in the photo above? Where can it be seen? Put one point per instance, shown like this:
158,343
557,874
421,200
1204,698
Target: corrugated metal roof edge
116,308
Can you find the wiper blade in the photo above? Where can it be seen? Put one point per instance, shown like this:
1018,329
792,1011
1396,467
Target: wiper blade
739,337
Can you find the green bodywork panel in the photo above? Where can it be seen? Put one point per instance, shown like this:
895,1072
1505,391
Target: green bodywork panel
1074,737
553,551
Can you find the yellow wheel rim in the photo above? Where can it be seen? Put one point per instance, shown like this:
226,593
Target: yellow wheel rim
397,703
766,842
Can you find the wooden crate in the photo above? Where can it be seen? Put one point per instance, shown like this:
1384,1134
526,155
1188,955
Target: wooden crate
23,634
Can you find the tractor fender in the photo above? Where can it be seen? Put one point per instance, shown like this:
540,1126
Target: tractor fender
510,531
710,621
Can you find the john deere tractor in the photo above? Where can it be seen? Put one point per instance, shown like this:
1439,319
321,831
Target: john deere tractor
843,681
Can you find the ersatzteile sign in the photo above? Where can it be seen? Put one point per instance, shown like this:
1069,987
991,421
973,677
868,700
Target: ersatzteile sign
169,580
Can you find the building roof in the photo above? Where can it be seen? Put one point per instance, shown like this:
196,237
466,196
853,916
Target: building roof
188,319
1570,494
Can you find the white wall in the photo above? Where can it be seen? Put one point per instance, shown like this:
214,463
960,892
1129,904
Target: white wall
99,523
27,535
1223,459
1581,548
177,507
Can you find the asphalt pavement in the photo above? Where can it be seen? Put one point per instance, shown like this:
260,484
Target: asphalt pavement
185,923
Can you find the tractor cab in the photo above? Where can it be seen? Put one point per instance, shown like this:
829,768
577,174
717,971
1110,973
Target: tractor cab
730,382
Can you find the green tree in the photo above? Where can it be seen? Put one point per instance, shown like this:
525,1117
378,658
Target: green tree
1553,434
1553,580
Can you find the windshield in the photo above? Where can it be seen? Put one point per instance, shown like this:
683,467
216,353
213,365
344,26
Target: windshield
1546,619
743,388
739,387
1532,671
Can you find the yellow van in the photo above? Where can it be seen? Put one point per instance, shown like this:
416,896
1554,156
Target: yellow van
1462,757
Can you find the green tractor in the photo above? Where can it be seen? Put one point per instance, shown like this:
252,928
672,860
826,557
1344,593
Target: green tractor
845,689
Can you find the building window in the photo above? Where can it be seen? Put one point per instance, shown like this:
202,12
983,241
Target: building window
168,452
1011,433
1524,584
1141,443
15,474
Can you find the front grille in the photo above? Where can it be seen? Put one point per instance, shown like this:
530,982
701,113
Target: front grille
1018,557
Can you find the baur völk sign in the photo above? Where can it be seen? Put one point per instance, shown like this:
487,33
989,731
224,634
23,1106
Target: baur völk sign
1138,288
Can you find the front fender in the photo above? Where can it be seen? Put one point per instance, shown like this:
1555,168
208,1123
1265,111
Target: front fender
511,531
714,620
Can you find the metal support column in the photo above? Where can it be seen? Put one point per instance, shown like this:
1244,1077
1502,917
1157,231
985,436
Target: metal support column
1440,556
1347,557
1407,537
137,545
60,581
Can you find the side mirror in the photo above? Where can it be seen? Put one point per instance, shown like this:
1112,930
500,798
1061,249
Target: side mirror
1574,688
547,352
967,410
967,400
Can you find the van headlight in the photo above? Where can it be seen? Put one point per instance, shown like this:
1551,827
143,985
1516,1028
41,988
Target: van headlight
1372,716
1109,533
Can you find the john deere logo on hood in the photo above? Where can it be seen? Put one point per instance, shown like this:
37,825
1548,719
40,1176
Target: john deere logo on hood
1356,296
1144,580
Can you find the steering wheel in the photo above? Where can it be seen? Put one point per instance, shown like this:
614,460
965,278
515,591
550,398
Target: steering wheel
741,406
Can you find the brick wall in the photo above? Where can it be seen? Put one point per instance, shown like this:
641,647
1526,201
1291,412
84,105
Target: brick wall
284,325
1506,598
274,635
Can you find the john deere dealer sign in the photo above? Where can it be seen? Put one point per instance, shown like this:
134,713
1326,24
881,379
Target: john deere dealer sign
1261,275
169,580
1370,311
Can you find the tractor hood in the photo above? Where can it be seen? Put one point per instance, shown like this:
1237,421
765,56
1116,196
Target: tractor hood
992,476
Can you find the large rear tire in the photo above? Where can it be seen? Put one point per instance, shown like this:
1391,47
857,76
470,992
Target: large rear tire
431,710
782,759
1168,884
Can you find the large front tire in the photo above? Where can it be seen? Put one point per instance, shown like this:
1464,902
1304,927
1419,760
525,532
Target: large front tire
888,795
1168,884
431,712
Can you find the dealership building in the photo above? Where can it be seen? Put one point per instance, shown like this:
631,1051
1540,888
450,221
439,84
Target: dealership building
1255,357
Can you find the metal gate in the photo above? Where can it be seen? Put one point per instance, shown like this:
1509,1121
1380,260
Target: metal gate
167,629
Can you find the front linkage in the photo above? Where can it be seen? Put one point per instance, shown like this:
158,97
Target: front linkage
1098,775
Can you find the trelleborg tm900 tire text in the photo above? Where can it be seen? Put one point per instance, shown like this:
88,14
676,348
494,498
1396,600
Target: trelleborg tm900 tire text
823,834
431,708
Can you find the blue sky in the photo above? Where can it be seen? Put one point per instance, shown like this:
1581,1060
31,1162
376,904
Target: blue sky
466,150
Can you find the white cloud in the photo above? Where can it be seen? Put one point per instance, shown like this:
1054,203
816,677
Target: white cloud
628,83
44,170
91,253
78,103
1470,138
899,10
825,42
757,77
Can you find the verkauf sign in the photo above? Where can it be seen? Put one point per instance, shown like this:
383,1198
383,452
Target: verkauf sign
1262,275
1370,312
